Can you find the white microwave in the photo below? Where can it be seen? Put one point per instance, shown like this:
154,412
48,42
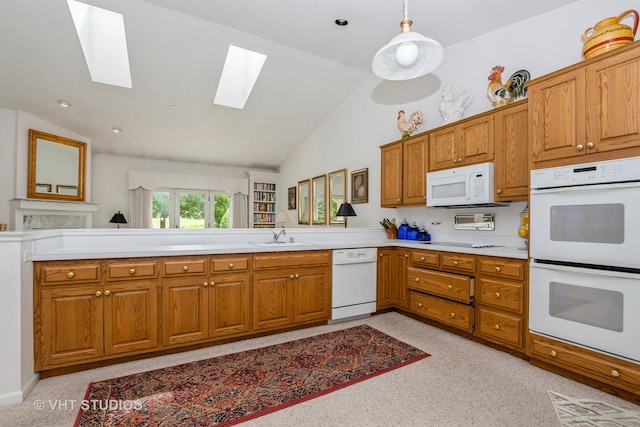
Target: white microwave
460,187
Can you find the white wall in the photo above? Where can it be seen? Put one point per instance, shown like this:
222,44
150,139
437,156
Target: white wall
7,162
367,119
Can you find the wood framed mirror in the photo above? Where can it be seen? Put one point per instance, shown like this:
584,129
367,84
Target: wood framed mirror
337,195
304,201
318,200
56,167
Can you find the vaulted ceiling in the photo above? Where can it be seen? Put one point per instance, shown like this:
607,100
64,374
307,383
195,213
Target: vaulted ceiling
177,50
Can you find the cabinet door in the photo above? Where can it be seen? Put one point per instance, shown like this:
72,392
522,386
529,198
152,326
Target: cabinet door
384,276
229,304
442,148
185,310
511,171
399,290
557,116
312,295
613,103
272,299
391,175
130,316
72,324
414,171
475,143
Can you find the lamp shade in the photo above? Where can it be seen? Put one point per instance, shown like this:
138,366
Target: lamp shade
282,217
346,209
118,218
394,60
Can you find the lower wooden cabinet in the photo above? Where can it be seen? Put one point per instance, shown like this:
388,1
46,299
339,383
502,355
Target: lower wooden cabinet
450,313
392,279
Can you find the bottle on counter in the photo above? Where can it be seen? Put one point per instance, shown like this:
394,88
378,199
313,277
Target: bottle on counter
412,234
403,229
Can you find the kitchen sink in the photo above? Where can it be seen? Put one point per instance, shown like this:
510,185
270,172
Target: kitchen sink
280,244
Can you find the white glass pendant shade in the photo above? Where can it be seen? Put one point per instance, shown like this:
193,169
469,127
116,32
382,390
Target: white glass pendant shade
399,60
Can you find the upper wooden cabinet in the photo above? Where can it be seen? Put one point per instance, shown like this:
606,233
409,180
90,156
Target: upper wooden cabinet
587,112
511,171
403,172
463,143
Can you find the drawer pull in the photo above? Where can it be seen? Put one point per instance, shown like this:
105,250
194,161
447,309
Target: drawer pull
107,293
553,353
297,276
185,268
70,274
406,255
455,263
497,295
205,284
498,269
615,374
132,271
449,287
291,276
230,265
98,293
421,258
496,327
452,315
579,147
420,304
417,279
589,144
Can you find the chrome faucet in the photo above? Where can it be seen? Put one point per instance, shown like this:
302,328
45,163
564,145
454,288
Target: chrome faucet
277,235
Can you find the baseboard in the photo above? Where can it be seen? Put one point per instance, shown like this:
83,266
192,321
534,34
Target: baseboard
19,396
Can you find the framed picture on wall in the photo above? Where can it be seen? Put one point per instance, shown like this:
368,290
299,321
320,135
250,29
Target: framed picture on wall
292,198
360,186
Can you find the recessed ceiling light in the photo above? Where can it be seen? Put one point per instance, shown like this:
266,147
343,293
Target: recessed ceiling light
341,22
116,130
63,103
173,107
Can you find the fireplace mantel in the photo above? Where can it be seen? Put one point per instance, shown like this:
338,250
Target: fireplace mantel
31,214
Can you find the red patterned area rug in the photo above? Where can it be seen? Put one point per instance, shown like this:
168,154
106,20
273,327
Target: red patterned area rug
229,389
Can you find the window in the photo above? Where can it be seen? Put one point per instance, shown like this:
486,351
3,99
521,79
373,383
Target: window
190,209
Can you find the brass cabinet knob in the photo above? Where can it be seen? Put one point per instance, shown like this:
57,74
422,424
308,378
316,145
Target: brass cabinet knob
132,271
297,275
185,268
421,258
589,144
406,255
98,293
205,284
496,327
107,293
230,265
497,295
417,279
449,287
452,315
579,147
455,263
212,283
419,304
615,373
397,200
553,353
291,276
498,269
70,274
499,191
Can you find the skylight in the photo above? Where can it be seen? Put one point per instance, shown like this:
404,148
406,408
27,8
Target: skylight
239,75
104,44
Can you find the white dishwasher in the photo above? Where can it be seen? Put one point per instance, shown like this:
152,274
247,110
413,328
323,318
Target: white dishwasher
353,283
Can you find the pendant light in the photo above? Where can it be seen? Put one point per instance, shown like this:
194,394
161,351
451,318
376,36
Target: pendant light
408,55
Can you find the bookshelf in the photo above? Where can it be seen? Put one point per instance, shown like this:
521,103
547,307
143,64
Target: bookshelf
262,212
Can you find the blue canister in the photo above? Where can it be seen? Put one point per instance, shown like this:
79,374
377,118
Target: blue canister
403,229
412,234
423,235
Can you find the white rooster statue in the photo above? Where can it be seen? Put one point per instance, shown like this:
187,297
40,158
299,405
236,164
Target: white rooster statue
408,126
451,108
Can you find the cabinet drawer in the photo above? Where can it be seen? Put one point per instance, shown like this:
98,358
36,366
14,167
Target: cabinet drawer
607,369
220,264
452,286
501,294
499,326
458,262
508,268
184,266
70,273
135,269
448,312
425,258
291,259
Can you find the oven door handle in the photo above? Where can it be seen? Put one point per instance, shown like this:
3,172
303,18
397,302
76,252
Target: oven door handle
587,269
592,187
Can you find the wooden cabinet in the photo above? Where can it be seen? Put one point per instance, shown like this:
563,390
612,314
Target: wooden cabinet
229,295
463,143
442,310
586,112
78,317
391,279
500,301
511,171
291,288
403,172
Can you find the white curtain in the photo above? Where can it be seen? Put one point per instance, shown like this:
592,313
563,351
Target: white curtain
140,211
239,211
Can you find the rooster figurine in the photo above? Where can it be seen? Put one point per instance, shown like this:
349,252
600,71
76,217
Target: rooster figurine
502,94
408,126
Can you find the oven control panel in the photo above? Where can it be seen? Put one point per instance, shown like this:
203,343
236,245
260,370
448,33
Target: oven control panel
609,171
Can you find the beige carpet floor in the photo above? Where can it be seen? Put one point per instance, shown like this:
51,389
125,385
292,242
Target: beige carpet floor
463,383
